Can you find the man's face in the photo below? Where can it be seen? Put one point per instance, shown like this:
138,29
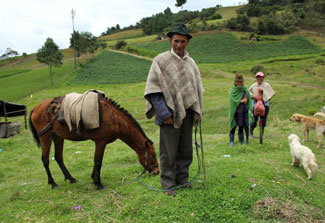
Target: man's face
179,44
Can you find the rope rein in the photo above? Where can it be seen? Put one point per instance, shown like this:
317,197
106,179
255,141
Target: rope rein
201,164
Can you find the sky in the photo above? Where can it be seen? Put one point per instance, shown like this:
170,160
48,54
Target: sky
26,24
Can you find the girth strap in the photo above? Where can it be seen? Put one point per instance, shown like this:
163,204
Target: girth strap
48,126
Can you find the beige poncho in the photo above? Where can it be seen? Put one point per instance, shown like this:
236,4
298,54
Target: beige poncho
267,90
180,82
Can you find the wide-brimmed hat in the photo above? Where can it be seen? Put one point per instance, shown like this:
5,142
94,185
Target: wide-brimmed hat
179,29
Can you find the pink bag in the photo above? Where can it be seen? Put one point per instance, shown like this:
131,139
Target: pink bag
259,109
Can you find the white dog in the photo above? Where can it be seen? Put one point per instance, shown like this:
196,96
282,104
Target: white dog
303,154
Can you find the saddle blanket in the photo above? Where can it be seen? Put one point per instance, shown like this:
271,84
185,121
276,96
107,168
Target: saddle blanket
82,107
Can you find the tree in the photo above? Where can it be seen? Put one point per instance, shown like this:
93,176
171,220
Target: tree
85,42
50,54
180,3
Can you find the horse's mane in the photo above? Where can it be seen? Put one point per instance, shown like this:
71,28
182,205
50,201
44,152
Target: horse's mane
116,105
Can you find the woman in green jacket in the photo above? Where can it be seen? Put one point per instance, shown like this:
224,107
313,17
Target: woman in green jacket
240,104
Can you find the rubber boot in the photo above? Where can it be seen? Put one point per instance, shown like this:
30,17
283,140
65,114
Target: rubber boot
241,138
231,140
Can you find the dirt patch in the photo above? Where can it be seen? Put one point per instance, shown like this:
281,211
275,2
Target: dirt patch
271,208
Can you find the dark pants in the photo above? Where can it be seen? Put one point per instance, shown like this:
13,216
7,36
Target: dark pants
263,118
176,152
242,123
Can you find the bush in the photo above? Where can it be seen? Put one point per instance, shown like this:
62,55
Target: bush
240,23
120,44
320,61
258,68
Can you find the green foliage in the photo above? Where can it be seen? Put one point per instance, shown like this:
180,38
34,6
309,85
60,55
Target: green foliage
294,13
120,44
257,68
85,42
320,61
180,3
50,54
111,67
240,23
207,12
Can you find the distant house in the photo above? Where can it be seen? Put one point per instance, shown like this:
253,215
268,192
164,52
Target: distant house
3,57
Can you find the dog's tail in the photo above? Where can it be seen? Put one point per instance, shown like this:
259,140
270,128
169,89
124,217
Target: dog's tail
321,116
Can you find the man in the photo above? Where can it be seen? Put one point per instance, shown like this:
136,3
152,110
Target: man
174,95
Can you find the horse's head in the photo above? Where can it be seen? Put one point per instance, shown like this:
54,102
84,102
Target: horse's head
149,159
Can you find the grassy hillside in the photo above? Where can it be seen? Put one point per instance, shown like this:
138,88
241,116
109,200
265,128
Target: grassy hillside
127,34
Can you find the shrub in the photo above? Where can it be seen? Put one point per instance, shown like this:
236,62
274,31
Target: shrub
240,23
257,68
320,61
120,44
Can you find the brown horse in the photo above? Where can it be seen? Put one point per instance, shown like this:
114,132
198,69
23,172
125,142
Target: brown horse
115,123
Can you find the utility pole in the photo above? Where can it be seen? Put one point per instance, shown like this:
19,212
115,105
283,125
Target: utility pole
73,13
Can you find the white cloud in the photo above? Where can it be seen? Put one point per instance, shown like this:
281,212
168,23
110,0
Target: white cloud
25,25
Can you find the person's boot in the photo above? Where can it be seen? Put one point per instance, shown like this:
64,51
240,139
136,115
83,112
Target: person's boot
231,139
241,138
251,129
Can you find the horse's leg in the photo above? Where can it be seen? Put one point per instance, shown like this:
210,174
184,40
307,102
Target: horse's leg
58,143
46,146
98,159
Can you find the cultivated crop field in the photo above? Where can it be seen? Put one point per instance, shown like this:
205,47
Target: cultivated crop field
112,67
255,183
225,47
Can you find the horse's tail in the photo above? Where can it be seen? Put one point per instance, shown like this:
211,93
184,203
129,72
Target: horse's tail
34,131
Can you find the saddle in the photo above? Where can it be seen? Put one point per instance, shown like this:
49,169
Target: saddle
55,107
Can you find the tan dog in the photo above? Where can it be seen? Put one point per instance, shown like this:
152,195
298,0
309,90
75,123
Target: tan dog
308,123
302,154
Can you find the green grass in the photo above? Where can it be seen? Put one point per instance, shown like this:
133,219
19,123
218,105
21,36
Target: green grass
143,39
229,195
10,72
22,84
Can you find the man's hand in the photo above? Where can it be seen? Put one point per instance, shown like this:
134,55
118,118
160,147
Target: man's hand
169,121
